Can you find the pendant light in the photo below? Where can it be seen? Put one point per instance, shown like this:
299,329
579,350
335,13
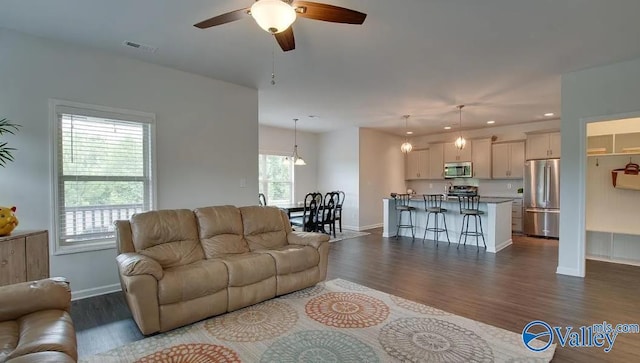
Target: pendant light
460,141
297,160
406,146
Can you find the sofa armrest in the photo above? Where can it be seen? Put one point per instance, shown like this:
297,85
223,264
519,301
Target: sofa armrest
28,297
307,238
133,264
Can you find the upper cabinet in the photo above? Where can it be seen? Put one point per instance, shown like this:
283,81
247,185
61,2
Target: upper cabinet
481,158
543,146
452,154
436,161
508,160
417,165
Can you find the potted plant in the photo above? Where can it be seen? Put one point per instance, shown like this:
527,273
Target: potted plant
7,127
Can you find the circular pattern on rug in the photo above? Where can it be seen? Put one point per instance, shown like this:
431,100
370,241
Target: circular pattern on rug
416,307
433,340
259,322
305,293
319,346
347,310
192,353
350,285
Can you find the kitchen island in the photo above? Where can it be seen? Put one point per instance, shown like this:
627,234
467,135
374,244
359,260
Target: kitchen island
496,221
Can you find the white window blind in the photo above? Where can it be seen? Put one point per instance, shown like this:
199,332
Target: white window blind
104,173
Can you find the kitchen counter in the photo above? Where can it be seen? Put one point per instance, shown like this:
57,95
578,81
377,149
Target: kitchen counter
491,200
496,221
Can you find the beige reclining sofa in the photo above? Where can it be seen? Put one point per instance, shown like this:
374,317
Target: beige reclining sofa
180,266
35,326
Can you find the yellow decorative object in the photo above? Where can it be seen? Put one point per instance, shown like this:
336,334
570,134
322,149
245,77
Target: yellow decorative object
8,220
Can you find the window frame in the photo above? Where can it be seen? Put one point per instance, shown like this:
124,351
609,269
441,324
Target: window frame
57,107
293,174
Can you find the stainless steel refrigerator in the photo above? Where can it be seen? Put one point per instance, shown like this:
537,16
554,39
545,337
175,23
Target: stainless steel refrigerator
542,198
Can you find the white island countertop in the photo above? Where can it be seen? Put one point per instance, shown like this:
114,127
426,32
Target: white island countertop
496,221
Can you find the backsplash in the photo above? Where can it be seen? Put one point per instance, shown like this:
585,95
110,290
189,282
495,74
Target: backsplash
493,188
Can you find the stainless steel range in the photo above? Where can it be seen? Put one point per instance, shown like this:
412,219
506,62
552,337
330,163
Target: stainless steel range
462,190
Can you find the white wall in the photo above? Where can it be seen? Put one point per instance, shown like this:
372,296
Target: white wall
381,172
596,94
279,141
207,135
338,169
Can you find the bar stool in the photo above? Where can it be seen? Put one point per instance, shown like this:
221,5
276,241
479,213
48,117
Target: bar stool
469,207
433,206
402,205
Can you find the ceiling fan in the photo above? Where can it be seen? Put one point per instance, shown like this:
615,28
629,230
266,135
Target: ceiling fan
276,17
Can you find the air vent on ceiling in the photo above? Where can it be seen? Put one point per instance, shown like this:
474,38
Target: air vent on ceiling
139,46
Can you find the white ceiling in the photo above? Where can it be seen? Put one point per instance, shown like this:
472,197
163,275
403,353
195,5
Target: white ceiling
502,58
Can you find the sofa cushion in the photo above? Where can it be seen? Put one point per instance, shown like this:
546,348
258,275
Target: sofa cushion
167,236
46,330
293,258
8,338
220,230
249,268
182,283
43,357
264,227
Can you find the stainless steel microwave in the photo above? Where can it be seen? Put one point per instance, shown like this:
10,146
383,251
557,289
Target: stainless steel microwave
458,170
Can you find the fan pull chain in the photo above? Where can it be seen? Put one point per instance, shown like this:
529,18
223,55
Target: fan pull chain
273,65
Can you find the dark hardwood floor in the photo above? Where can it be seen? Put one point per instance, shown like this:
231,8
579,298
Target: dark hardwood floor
507,290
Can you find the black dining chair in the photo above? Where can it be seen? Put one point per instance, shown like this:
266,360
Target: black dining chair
310,217
262,199
328,213
338,212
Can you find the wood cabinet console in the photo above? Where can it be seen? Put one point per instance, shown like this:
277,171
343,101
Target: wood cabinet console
24,256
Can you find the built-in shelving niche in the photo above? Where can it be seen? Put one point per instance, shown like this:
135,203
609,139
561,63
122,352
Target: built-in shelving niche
613,231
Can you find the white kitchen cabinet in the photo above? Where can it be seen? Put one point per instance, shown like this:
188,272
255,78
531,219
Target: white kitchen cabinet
481,158
417,165
508,160
436,161
543,146
516,215
452,154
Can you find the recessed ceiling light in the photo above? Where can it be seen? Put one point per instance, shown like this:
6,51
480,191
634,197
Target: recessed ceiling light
549,114
409,132
447,127
491,122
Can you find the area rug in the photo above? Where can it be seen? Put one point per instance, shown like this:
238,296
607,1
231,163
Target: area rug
335,321
346,234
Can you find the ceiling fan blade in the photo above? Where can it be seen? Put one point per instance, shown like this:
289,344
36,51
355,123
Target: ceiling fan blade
326,12
223,19
286,40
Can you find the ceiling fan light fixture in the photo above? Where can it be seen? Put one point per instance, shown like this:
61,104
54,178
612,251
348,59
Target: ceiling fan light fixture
274,16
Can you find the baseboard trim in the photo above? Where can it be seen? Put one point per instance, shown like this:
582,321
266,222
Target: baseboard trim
95,291
503,245
371,226
568,271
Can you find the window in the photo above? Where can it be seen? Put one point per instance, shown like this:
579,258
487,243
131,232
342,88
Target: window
103,172
276,179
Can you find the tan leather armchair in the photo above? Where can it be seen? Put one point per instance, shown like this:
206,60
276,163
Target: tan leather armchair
35,325
180,266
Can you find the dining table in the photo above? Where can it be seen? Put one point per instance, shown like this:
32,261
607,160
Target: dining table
292,208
